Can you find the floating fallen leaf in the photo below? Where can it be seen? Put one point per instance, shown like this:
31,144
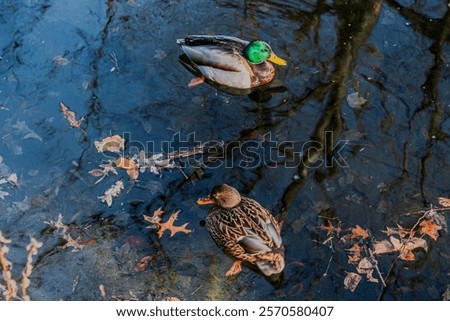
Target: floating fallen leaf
156,218
331,229
112,144
128,164
173,229
382,247
358,231
351,281
355,101
399,230
356,250
77,244
427,226
113,191
143,263
366,267
405,247
12,179
69,115
445,202
106,168
58,224
125,163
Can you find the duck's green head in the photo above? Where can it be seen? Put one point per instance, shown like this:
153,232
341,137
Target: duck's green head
258,51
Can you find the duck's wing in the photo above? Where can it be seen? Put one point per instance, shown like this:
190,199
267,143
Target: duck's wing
245,230
219,52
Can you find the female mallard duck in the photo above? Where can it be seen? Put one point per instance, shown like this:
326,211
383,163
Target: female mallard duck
245,229
231,61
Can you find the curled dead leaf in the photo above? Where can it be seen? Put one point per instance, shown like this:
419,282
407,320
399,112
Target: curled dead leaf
112,144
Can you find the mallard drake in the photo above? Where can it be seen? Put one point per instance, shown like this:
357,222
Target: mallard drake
245,229
230,61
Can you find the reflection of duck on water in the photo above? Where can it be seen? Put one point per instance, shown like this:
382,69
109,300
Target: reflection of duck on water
244,229
228,63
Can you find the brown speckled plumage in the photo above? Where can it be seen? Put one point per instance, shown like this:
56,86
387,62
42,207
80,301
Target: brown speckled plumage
245,229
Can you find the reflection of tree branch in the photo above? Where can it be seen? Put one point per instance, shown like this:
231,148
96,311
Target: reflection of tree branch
353,32
422,24
431,99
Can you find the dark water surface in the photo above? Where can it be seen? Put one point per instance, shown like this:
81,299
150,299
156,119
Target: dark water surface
115,63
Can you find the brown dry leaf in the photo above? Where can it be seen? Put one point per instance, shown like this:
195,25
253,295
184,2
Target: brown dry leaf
382,247
113,191
358,231
169,226
445,202
366,267
351,281
112,144
172,298
405,247
356,250
156,218
69,115
77,244
143,263
106,168
125,163
399,230
128,164
427,226
331,229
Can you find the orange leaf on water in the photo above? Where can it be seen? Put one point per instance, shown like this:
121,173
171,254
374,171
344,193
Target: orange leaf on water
170,227
112,144
427,226
358,231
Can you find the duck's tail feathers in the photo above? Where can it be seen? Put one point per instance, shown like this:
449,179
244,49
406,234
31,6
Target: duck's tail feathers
273,264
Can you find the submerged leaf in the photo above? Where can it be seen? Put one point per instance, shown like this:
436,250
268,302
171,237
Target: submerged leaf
113,191
143,263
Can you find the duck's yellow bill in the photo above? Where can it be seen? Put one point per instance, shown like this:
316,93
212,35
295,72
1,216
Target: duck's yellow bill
277,60
205,201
